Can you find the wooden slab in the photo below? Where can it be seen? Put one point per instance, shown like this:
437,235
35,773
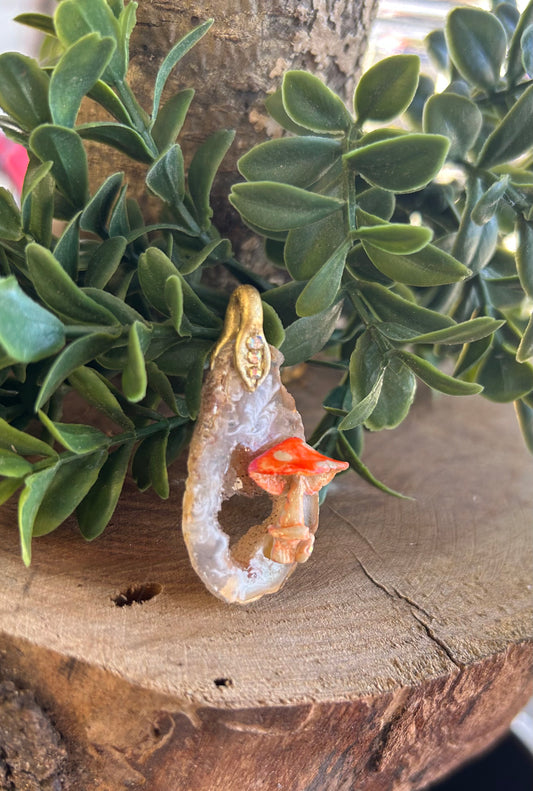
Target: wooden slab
402,648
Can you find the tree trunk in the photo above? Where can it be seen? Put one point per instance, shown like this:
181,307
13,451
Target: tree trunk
236,65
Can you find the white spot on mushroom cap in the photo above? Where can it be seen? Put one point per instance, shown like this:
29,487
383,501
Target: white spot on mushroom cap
282,455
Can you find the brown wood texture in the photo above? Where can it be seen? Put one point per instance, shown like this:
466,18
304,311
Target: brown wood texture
402,648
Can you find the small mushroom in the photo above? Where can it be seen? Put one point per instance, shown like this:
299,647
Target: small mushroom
292,469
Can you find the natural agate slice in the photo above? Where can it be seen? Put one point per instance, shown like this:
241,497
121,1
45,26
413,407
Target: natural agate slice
249,437
245,410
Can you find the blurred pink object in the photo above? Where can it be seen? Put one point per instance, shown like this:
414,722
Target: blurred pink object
13,161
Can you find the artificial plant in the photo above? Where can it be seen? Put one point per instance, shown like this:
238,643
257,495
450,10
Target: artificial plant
396,248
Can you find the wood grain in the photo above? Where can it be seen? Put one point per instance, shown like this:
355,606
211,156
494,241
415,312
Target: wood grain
400,649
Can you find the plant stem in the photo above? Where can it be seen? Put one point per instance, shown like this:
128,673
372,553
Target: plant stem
137,115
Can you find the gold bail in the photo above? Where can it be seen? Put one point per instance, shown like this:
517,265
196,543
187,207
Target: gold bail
244,324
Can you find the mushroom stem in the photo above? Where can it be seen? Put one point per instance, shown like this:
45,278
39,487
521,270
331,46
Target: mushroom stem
292,530
293,508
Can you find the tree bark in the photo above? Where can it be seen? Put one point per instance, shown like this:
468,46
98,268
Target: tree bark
235,66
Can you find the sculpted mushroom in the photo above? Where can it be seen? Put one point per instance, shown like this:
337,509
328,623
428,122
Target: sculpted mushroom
292,469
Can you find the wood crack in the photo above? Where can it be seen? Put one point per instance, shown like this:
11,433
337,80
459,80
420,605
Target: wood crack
416,610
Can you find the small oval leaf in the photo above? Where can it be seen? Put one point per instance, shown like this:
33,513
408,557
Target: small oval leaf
387,88
311,104
400,164
280,207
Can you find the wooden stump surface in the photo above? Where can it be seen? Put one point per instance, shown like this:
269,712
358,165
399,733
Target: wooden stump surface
400,649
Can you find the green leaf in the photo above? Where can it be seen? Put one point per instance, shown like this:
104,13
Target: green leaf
123,312
437,50
514,58
35,488
395,238
154,270
38,211
308,248
96,213
396,392
307,336
171,118
76,354
474,245
513,135
378,202
134,379
64,148
193,385
311,104
322,289
20,442
221,246
272,326
74,19
387,88
465,332
8,487
477,43
127,20
435,378
392,308
471,355
174,56
173,295
97,507
280,207
107,98
524,255
42,22
75,437
59,292
10,220
400,164
67,247
12,465
35,173
73,478
487,205
28,332
274,106
525,349
526,45
290,160
24,90
166,177
105,261
160,384
96,392
524,414
363,408
203,169
149,464
456,117
503,378
349,455
77,71
117,136
429,267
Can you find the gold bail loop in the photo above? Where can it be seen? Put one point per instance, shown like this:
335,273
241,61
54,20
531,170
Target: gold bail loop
243,323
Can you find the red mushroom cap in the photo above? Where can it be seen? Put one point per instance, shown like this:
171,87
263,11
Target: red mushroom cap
293,457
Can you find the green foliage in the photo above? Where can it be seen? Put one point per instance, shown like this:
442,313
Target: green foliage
388,263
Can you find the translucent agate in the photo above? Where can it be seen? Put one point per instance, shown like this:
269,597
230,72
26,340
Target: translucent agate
234,426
